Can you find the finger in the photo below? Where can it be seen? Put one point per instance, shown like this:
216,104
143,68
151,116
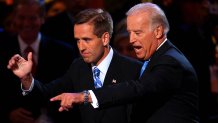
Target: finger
62,108
30,56
56,98
16,58
12,61
9,65
69,107
66,104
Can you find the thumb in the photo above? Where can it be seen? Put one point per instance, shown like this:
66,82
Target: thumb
30,56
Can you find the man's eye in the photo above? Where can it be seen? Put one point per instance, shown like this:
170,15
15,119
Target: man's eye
137,33
87,39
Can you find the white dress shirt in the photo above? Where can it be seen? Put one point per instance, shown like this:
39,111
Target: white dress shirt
103,67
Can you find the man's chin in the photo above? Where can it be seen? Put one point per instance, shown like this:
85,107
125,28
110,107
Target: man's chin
87,60
139,56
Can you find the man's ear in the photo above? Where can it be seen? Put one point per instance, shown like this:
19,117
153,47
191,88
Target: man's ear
159,31
105,38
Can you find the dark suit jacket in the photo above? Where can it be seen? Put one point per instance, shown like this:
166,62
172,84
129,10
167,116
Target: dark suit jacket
54,59
79,77
167,92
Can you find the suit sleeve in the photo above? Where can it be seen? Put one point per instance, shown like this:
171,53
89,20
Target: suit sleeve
161,76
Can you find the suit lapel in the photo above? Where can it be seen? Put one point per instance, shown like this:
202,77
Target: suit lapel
113,73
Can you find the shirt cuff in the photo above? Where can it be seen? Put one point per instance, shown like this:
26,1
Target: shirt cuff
94,99
25,92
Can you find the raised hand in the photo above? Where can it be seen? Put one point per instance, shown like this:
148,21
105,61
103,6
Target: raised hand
22,68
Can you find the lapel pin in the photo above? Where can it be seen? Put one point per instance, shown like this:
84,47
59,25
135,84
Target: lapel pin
114,81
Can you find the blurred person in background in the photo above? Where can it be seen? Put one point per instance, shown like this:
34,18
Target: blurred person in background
121,40
214,71
59,22
28,18
192,34
214,82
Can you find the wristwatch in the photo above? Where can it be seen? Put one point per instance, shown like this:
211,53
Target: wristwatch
86,97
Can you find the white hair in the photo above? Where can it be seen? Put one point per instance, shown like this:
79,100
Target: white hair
157,15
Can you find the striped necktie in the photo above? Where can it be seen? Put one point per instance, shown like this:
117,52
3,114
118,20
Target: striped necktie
97,81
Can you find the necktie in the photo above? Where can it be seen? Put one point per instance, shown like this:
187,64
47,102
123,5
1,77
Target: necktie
143,67
97,81
26,51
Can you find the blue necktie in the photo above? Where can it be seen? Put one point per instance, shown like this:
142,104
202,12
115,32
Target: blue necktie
97,81
143,67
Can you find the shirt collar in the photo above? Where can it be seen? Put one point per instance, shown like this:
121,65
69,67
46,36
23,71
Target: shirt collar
34,45
104,65
162,43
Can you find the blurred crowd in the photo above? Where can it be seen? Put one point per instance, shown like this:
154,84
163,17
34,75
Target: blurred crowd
194,30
